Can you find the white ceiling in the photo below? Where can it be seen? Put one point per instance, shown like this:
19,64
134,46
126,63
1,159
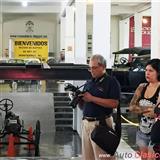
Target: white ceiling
122,8
31,3
126,9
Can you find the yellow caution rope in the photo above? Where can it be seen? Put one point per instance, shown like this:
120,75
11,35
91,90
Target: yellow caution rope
128,121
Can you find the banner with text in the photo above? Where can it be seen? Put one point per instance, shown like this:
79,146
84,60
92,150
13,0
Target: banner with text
146,32
31,48
131,36
131,32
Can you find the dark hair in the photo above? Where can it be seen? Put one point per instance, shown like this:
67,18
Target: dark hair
155,63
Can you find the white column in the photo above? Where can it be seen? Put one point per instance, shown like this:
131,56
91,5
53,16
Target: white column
124,34
138,30
80,32
101,30
80,52
62,33
155,29
69,35
1,31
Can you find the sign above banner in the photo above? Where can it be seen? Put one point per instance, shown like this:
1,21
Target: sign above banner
28,36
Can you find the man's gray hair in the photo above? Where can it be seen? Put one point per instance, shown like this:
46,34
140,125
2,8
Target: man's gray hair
99,58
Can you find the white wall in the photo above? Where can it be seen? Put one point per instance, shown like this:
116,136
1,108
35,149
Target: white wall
114,31
42,26
146,12
50,27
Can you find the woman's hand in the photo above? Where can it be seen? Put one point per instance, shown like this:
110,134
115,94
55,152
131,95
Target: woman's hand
135,109
148,111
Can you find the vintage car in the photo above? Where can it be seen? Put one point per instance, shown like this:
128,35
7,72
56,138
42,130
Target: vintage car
133,59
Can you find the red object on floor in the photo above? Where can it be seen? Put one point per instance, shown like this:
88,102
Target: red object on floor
0,143
11,148
30,137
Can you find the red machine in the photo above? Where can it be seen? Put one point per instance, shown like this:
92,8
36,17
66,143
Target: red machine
13,132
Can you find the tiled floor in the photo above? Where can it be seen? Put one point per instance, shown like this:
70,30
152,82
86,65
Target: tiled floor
61,144
67,146
39,106
53,146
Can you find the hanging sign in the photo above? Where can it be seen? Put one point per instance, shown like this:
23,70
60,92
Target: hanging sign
146,32
131,32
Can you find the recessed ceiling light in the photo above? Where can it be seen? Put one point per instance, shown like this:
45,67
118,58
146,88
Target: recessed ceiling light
24,3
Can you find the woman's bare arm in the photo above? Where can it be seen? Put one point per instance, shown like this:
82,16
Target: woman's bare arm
134,105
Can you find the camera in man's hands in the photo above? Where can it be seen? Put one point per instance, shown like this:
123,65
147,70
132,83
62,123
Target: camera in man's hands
76,94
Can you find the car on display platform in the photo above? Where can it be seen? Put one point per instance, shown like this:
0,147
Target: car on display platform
129,67
133,59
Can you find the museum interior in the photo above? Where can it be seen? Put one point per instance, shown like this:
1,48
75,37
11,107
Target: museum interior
46,45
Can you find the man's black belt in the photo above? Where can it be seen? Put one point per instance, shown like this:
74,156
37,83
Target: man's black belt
91,119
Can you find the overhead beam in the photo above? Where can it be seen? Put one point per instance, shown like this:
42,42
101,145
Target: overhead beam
129,80
57,73
31,9
33,1
117,10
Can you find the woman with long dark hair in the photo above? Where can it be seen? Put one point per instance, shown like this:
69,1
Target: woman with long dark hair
146,97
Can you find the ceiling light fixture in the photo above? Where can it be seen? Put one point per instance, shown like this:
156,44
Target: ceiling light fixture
24,3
